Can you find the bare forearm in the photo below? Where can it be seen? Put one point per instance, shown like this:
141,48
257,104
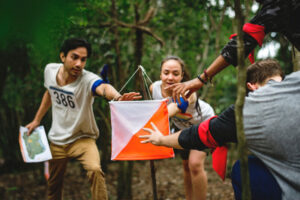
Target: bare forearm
185,89
157,138
171,140
44,107
173,109
108,91
218,65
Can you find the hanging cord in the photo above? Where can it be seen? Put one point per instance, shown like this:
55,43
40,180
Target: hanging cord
126,83
145,81
140,67
144,72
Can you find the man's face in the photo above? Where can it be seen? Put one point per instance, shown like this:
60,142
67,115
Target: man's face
75,61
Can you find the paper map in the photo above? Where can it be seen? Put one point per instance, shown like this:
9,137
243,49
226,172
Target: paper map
34,148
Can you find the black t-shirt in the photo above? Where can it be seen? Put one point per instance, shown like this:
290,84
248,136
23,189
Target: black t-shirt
222,129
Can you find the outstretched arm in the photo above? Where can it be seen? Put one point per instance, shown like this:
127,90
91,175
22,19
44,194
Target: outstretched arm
185,89
110,93
216,131
44,107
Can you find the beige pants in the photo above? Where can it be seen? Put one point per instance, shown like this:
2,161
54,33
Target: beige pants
86,152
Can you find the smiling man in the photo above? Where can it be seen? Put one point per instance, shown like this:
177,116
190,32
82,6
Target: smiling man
70,90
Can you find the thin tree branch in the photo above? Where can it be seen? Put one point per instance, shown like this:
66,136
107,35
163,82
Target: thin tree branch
142,28
149,15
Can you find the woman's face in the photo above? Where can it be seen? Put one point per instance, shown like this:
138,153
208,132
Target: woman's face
171,72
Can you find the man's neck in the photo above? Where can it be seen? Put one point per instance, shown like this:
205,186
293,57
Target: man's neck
64,78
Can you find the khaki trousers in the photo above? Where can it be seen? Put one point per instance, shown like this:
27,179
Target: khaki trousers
86,152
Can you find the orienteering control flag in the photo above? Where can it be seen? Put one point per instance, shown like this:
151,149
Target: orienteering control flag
128,118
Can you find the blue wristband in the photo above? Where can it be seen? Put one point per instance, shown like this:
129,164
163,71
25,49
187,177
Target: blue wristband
183,106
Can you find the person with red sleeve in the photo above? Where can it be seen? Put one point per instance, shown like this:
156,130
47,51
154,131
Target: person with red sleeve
279,16
271,124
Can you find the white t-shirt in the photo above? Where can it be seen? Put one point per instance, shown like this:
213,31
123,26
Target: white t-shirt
72,106
191,116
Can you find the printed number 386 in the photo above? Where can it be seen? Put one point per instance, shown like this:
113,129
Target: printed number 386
65,100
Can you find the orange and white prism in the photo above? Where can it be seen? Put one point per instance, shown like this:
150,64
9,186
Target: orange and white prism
128,118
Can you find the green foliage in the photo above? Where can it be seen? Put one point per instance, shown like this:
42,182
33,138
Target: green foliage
32,31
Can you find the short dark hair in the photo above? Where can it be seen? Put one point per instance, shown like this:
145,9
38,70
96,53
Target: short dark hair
74,43
259,71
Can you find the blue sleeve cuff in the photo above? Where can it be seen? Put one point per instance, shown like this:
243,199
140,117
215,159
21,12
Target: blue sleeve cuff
95,85
183,106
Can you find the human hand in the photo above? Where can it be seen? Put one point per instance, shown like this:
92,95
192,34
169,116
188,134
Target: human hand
184,89
31,126
130,96
154,137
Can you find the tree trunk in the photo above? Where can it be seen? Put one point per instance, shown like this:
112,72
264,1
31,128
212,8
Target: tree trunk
138,50
125,180
15,62
241,89
3,73
296,59
104,141
117,72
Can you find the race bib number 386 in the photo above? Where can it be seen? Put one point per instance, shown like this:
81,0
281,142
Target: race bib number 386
63,98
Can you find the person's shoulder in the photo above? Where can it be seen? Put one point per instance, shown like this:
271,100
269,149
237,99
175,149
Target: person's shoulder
292,80
293,75
205,107
89,76
156,83
53,66
203,103
192,99
87,73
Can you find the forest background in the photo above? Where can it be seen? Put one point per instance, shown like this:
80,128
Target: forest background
123,34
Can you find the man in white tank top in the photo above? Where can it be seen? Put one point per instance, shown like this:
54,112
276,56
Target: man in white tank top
70,91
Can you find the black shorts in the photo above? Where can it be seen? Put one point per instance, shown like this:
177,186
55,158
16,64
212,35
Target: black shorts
184,153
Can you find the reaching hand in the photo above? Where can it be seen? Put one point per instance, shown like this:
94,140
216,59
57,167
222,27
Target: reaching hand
31,126
184,89
130,96
154,137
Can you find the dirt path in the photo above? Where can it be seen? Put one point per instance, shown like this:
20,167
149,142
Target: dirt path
30,185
